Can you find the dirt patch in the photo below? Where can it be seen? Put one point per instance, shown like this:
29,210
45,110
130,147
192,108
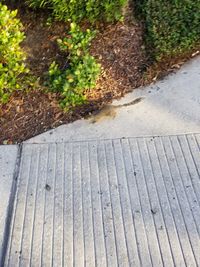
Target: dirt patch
40,44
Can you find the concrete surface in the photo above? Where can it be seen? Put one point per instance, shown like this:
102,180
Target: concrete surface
8,160
171,106
122,202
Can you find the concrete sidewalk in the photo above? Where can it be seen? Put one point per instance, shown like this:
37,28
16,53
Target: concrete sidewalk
8,174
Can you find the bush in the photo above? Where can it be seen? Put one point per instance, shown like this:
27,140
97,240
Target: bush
11,55
81,72
92,10
172,26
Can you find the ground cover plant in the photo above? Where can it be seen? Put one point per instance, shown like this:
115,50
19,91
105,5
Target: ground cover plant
81,70
83,54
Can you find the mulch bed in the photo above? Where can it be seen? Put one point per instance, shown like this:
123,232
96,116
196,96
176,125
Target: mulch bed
118,47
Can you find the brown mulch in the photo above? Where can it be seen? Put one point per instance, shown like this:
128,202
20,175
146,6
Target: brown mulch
118,47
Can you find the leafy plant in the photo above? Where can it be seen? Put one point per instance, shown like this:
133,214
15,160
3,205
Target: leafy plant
82,71
11,55
76,10
172,27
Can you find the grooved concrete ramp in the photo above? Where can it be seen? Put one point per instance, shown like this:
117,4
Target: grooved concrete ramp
123,202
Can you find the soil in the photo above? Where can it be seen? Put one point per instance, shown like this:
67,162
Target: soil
118,47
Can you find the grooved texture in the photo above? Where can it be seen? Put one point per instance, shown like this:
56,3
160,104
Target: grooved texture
124,202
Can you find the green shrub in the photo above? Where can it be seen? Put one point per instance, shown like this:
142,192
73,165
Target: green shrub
76,10
172,26
82,72
11,55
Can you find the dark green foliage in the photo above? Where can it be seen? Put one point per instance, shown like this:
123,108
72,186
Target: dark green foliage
173,26
76,10
82,71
